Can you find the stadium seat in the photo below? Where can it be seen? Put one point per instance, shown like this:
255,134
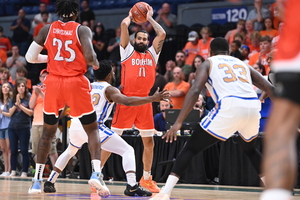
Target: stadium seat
182,30
28,9
2,10
215,29
96,5
51,8
196,27
110,4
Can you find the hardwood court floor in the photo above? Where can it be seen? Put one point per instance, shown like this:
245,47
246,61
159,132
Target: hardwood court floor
16,188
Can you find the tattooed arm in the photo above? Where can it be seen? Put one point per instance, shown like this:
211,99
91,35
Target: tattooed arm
160,32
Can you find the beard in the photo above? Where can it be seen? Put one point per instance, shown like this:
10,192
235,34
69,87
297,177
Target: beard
140,47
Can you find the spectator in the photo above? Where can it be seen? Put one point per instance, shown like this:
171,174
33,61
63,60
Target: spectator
258,14
196,63
113,47
21,28
249,31
5,97
5,76
38,17
191,48
36,103
205,42
22,72
45,19
268,29
180,58
200,105
235,49
240,28
167,20
99,42
261,57
275,16
3,57
240,37
255,43
178,88
15,61
160,118
245,50
5,43
87,14
276,38
19,126
160,82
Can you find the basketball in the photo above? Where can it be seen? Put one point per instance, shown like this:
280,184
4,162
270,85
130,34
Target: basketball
139,12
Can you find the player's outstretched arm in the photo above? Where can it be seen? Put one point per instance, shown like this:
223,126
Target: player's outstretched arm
160,32
124,38
113,94
261,83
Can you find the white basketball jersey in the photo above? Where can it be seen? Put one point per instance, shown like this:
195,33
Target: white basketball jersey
229,76
102,106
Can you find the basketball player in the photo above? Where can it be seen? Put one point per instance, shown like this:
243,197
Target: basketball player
104,96
280,161
138,76
229,81
70,49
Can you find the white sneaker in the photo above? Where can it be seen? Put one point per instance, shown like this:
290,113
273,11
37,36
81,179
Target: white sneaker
5,174
36,187
96,182
161,196
24,175
13,173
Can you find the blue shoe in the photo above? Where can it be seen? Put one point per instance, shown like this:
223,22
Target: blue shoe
96,182
36,187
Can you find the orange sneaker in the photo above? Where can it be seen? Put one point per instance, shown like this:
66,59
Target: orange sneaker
149,184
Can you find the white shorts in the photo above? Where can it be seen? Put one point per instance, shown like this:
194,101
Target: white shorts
233,114
78,135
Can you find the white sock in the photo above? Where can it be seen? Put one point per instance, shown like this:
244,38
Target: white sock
146,175
277,193
96,165
53,176
39,170
170,184
131,179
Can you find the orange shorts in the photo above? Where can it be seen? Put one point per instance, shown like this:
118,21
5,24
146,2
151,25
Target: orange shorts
71,91
140,116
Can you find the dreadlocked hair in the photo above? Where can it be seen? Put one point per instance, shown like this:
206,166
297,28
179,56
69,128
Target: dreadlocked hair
104,70
66,8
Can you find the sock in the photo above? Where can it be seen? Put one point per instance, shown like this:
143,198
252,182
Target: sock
96,165
53,176
131,179
276,193
170,184
146,175
39,170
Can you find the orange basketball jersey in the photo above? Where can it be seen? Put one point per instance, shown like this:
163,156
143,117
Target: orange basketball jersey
138,72
65,56
288,55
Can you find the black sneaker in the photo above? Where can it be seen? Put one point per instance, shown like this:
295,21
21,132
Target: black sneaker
136,190
49,187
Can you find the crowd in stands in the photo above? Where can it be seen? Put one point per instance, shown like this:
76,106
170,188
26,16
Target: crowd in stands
252,40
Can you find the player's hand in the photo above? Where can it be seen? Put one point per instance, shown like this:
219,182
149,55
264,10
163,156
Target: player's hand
171,134
150,12
163,95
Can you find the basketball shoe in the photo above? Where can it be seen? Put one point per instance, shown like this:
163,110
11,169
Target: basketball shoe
136,190
36,187
96,181
149,185
49,187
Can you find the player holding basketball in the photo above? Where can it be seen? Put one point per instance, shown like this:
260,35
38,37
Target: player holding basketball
280,162
138,76
70,49
229,81
104,96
